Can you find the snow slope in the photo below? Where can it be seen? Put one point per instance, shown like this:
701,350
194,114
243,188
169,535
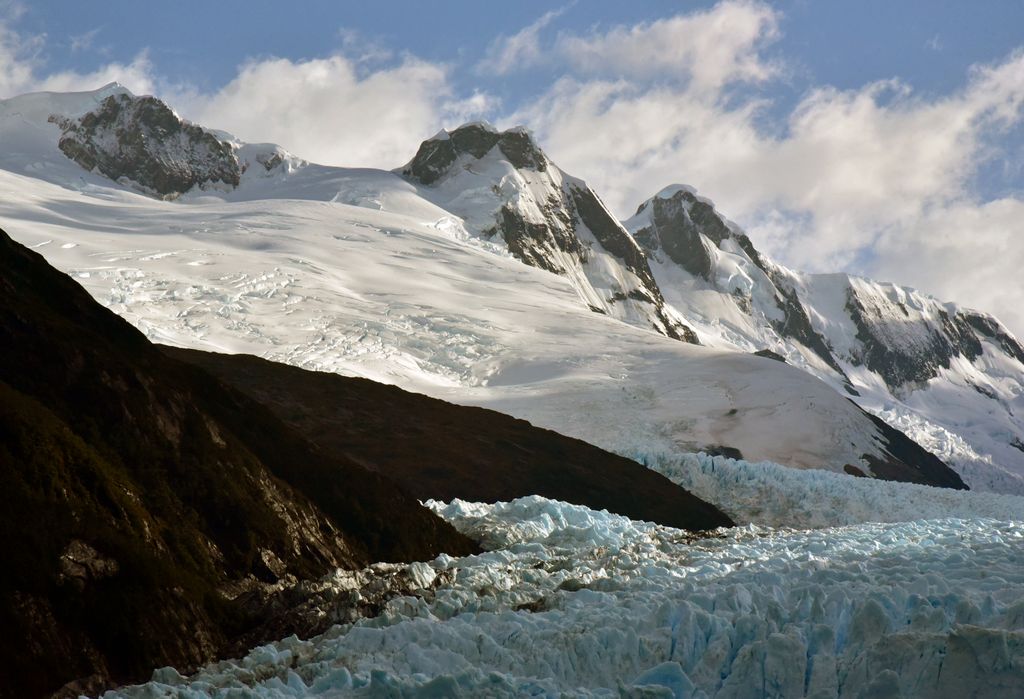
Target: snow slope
353,271
572,602
951,378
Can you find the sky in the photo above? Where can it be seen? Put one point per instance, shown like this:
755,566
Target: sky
877,138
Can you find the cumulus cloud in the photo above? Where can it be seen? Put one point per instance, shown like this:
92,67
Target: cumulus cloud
360,107
708,49
22,68
969,252
328,111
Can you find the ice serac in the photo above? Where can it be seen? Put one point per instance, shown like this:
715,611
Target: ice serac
142,142
143,500
505,188
947,376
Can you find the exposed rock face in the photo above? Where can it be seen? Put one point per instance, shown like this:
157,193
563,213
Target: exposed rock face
691,233
505,187
139,140
436,156
900,346
142,497
903,350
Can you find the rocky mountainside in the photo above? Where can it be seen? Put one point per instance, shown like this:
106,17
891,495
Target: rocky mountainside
942,372
506,189
289,265
141,142
142,497
441,451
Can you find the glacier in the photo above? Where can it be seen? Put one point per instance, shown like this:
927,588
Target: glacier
572,602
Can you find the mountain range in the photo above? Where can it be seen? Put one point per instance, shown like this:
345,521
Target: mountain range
468,203
267,366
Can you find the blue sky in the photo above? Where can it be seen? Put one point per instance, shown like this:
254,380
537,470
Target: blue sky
881,138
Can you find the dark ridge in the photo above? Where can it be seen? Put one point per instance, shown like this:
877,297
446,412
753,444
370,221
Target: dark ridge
683,226
143,496
727,452
990,328
440,450
673,231
797,325
535,243
906,460
142,140
436,156
614,238
769,354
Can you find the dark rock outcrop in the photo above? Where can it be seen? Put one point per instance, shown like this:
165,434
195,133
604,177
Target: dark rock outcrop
439,450
140,141
905,460
142,496
436,155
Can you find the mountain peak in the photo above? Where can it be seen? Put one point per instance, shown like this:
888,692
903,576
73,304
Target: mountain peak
142,141
474,140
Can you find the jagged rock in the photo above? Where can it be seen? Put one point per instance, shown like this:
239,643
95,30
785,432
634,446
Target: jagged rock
768,354
81,563
545,218
691,233
140,141
905,352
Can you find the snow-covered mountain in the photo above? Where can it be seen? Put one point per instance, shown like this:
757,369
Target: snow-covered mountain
416,278
952,378
504,188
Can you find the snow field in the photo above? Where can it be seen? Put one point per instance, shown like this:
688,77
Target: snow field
573,602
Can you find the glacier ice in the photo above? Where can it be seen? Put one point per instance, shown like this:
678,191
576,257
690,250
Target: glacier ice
773,495
573,602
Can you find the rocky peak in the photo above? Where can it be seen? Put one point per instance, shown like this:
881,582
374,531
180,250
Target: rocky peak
505,188
685,228
436,155
140,141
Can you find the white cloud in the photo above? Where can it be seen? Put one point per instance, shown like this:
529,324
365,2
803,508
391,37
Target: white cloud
137,76
875,180
344,109
22,68
709,49
327,111
967,251
521,50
